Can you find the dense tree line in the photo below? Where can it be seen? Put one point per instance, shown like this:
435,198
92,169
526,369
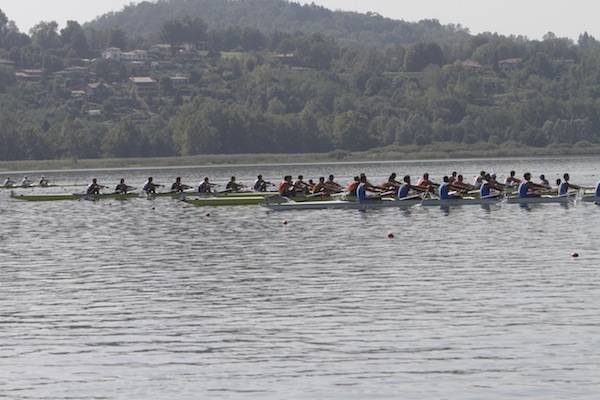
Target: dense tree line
263,90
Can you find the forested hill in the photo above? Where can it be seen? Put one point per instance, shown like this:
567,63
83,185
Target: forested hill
210,85
145,19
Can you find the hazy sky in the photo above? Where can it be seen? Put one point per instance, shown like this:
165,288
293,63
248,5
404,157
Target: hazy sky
532,18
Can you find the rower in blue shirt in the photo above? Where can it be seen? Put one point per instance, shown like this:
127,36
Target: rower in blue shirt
598,189
566,186
444,190
406,187
525,186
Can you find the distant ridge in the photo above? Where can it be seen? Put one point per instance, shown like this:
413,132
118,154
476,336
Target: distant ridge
146,18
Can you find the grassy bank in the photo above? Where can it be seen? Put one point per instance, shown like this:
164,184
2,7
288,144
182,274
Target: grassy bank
430,152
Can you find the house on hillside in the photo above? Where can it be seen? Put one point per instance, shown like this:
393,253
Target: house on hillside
6,63
144,86
471,64
29,75
510,63
112,53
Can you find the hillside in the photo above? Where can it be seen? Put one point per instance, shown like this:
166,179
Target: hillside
146,18
201,86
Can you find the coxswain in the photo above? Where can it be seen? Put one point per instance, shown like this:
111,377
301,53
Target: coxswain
300,186
94,187
26,182
544,182
286,187
205,187
512,180
260,185
44,182
150,187
332,186
351,188
233,186
565,186
178,187
122,187
392,183
444,190
9,182
526,187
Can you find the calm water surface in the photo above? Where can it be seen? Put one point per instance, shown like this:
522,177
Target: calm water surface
158,300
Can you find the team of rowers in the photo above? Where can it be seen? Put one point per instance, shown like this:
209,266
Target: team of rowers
25,182
452,186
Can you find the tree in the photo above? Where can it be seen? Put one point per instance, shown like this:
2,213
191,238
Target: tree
421,55
195,31
73,38
45,36
350,131
174,33
117,38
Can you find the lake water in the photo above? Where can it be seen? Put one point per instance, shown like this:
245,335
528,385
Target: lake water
158,300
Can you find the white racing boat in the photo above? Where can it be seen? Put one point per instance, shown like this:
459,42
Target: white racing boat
465,201
590,198
344,204
543,199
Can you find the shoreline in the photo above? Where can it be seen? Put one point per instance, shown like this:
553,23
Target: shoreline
386,155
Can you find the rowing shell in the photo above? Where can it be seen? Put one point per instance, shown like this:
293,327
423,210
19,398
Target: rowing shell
343,205
465,201
542,200
74,196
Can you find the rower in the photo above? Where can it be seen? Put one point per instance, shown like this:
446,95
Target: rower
462,185
478,180
566,186
425,183
453,177
150,187
525,187
44,182
351,188
9,182
559,186
233,186
544,182
286,187
598,190
444,190
391,183
94,187
332,186
122,187
300,186
370,186
260,185
311,185
512,180
489,183
178,187
205,187
405,188
363,187
320,187
26,182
